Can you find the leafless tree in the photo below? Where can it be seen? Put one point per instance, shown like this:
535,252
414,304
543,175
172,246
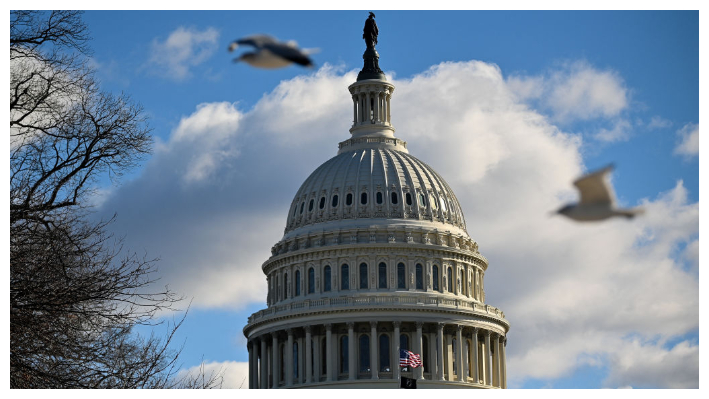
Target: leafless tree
75,296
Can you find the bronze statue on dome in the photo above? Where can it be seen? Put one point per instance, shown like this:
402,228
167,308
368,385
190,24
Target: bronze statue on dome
371,31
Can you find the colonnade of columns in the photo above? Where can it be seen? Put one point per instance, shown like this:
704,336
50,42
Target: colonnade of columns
370,351
372,107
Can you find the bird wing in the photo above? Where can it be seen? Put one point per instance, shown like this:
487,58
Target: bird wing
288,52
595,188
257,41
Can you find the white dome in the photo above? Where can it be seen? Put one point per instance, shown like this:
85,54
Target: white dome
359,185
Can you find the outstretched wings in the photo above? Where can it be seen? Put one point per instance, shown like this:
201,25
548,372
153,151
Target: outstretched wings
595,187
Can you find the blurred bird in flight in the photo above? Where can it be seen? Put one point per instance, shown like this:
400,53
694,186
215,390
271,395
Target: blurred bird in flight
271,53
597,199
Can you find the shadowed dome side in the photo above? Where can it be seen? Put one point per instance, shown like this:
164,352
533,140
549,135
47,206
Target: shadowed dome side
373,183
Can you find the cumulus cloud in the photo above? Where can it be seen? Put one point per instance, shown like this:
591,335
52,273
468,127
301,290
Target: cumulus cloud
234,375
620,131
578,91
650,366
573,293
689,144
183,49
657,122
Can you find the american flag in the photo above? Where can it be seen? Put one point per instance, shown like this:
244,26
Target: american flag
407,358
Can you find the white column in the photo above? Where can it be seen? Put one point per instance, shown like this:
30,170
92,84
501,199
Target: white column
439,343
474,360
503,358
251,364
382,97
308,355
376,107
288,359
351,351
388,100
355,103
459,351
488,366
264,363
275,366
316,359
419,348
374,352
328,351
396,345
367,107
496,361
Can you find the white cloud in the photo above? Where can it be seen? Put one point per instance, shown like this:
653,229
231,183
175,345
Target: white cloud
206,138
650,365
657,122
580,91
183,49
235,375
577,91
689,146
568,289
620,131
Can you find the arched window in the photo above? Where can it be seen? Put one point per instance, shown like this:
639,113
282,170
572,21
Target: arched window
348,199
443,203
302,204
394,198
345,277
422,200
382,275
285,286
363,198
435,278
400,276
408,199
384,355
424,352
404,342
327,285
344,355
297,282
295,360
380,197
311,280
310,205
334,200
295,209
419,276
363,276
322,202
364,353
450,279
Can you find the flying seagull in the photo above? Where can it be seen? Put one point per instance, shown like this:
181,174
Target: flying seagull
271,53
597,199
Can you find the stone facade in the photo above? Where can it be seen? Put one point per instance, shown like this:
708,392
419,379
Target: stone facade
375,257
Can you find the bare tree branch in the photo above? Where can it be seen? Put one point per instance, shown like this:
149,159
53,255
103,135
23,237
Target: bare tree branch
76,297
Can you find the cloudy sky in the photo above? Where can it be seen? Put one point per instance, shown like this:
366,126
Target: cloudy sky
509,107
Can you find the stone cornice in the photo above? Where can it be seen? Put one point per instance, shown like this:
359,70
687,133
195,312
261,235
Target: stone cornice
418,303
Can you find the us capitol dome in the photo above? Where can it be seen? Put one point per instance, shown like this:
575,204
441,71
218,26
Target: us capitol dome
375,258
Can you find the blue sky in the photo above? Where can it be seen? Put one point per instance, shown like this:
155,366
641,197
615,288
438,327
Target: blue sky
541,96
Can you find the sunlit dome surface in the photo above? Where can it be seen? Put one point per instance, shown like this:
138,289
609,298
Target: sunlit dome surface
374,183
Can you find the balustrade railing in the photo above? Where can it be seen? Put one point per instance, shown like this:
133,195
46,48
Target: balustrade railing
368,301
